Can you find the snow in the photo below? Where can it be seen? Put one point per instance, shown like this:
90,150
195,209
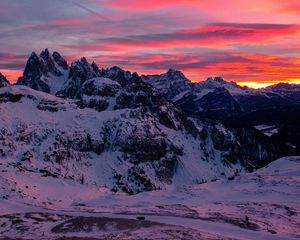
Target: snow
269,197
56,82
101,82
40,129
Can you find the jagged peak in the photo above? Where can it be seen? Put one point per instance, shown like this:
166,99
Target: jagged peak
116,68
216,79
33,55
95,66
56,55
219,79
45,54
60,60
175,72
171,70
83,60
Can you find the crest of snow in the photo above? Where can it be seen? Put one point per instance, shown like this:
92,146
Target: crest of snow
100,82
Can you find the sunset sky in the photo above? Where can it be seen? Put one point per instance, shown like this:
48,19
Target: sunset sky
251,42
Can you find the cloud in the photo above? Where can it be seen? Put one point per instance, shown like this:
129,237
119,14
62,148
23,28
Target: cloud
217,35
241,40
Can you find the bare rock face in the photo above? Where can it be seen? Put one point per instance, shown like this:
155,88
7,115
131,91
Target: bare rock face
60,60
80,71
39,67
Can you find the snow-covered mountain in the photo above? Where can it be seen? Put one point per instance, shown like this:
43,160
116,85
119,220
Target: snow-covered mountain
110,128
44,72
289,91
275,107
172,84
74,138
216,97
128,139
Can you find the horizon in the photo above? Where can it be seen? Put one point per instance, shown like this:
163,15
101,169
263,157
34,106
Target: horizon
253,84
238,41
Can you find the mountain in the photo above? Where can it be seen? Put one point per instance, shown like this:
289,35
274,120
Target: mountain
289,91
128,139
172,84
3,81
274,107
215,96
79,72
110,128
44,72
77,141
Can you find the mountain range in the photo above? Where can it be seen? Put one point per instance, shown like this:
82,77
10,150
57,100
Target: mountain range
132,133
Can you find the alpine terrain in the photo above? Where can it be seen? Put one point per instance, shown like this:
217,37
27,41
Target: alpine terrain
93,153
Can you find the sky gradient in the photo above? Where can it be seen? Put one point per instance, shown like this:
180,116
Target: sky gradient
254,43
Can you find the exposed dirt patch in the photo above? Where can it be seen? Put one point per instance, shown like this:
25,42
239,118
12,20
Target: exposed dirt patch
89,224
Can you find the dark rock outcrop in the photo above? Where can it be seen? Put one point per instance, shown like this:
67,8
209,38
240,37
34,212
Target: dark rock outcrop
38,68
3,81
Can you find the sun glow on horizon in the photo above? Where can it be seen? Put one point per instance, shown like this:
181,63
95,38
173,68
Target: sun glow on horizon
12,75
263,84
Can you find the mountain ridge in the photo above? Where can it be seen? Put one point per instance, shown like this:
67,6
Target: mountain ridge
63,63
109,127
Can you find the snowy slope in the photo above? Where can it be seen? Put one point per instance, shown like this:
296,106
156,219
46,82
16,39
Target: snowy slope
260,205
127,138
56,135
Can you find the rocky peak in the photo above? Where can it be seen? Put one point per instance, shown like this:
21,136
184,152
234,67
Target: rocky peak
170,84
175,73
118,74
95,67
3,81
82,70
213,83
45,54
60,60
49,63
37,70
219,79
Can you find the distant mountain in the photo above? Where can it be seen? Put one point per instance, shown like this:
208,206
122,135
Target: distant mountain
109,127
3,81
173,84
216,97
276,106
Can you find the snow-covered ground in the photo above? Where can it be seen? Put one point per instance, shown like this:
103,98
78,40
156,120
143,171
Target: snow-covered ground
260,205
